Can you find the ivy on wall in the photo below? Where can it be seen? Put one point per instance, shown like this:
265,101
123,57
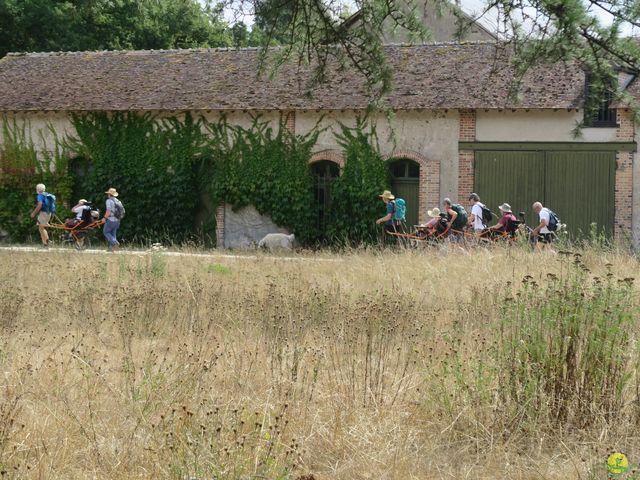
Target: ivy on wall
153,163
21,169
167,170
266,168
355,194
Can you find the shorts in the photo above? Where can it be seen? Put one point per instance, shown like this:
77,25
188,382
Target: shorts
43,218
391,228
546,237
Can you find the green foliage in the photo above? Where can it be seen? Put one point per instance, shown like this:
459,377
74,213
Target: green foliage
72,25
153,165
355,203
167,170
21,169
268,169
567,346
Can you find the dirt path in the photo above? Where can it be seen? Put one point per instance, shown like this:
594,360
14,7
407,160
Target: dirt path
168,253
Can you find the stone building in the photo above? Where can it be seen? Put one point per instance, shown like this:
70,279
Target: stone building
456,126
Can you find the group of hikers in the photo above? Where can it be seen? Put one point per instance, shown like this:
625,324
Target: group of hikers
454,220
85,213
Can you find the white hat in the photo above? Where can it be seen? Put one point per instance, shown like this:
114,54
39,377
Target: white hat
505,207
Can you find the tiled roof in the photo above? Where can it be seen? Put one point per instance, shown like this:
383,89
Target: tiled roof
439,76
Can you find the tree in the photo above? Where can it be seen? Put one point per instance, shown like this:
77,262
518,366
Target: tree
535,30
72,25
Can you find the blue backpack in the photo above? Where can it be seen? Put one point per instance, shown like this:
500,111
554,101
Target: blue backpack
400,210
48,202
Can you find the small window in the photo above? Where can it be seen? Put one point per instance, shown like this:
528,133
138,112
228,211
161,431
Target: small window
598,112
403,169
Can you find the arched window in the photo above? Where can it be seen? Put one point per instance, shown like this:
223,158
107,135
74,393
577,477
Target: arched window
405,183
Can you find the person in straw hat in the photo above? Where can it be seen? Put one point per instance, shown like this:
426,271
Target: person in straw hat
112,216
505,219
389,223
436,217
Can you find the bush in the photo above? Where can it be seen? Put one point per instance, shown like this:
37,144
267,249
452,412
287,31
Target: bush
565,347
21,169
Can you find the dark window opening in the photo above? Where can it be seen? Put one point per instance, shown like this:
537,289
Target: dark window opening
405,169
324,174
598,111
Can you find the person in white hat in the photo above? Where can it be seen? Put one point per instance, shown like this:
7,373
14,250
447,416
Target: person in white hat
389,223
78,210
505,219
112,216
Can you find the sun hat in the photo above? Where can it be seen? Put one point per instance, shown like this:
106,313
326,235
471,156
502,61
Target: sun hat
387,195
112,191
82,201
435,213
505,207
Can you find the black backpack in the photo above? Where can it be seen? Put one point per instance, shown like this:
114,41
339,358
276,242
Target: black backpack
487,215
554,221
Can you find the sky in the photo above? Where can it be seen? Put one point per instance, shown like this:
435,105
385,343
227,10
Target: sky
469,6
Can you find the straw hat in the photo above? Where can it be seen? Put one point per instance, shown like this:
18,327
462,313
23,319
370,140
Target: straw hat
505,207
387,195
82,201
435,213
112,191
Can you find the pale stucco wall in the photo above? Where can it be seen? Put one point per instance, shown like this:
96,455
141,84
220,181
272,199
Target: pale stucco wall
537,126
433,135
38,125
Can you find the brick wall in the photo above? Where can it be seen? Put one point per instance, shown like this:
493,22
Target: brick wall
429,182
467,133
289,120
624,176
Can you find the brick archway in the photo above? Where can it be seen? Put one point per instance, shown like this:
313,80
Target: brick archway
334,156
429,186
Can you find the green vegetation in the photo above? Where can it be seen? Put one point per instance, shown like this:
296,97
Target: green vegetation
21,169
172,172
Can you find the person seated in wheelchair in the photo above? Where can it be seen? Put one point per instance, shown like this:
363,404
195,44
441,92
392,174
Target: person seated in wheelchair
507,225
85,212
436,226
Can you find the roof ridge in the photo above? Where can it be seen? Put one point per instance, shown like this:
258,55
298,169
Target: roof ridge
228,49
129,52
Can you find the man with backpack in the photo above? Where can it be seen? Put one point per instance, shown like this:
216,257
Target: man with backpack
544,233
457,220
45,207
113,215
481,216
391,224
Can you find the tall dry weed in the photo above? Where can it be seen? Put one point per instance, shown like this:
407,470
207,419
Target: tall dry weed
364,365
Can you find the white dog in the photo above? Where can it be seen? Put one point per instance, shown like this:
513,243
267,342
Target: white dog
277,240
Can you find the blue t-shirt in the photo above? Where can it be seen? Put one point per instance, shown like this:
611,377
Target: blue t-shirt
40,198
391,209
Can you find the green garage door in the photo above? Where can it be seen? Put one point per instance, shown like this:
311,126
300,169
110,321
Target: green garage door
578,186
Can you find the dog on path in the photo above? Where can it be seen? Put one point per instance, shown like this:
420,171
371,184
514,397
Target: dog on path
277,240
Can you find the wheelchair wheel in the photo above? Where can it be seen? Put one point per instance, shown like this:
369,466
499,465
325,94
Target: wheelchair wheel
83,243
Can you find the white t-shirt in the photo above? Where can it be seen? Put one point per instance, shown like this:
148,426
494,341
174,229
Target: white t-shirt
476,210
544,215
78,211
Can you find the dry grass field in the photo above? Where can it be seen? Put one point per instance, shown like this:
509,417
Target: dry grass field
491,365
